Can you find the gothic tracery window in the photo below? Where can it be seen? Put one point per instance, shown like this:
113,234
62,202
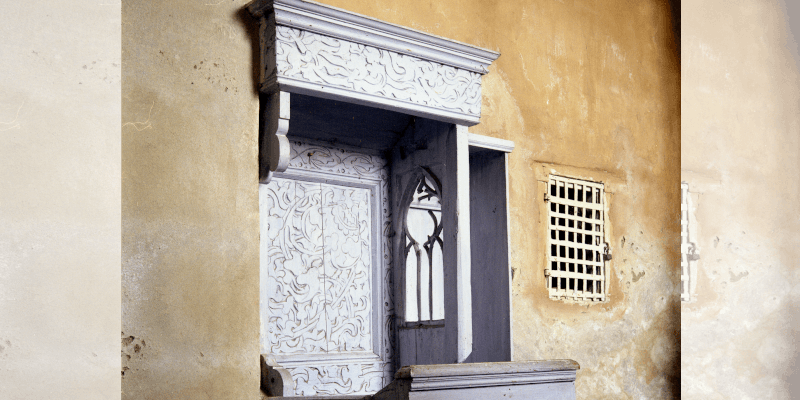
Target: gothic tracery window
424,274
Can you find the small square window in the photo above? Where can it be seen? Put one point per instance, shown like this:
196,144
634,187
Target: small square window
576,208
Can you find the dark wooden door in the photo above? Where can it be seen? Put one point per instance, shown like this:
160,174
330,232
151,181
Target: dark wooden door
430,246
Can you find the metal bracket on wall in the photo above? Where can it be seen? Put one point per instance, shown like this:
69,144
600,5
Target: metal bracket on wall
693,256
606,252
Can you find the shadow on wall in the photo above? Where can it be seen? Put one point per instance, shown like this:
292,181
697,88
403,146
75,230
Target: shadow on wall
788,101
252,27
790,329
671,91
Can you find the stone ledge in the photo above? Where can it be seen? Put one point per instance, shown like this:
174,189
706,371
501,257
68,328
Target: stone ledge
551,379
361,397
489,368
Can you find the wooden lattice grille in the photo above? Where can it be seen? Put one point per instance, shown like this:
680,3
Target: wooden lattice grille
686,245
576,251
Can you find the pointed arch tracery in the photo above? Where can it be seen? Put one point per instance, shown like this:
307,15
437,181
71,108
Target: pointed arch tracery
423,246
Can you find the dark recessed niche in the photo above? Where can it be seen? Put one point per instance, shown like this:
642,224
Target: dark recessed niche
343,123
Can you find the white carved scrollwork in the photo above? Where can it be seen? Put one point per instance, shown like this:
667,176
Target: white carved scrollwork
320,158
338,379
347,261
296,306
319,59
320,261
316,50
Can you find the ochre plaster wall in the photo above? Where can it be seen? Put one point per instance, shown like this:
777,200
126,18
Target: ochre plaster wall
190,201
589,90
129,202
59,200
739,154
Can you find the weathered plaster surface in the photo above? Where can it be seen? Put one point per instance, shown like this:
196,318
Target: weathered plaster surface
740,153
190,201
59,200
60,127
585,88
592,91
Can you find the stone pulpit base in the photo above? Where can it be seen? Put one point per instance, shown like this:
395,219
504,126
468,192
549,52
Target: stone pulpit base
540,380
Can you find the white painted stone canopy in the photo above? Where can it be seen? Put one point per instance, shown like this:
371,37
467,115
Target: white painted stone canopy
314,49
368,247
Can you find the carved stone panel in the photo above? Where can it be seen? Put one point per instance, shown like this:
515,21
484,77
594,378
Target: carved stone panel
312,49
347,267
310,57
295,303
338,379
326,304
331,160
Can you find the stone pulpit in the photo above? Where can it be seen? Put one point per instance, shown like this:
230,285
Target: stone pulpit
384,222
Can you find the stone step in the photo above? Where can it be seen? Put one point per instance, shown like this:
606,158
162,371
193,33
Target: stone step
360,397
541,380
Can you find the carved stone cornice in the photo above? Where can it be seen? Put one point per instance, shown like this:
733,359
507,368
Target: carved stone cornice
314,49
348,26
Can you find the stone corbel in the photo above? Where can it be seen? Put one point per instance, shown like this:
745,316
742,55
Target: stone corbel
275,380
275,150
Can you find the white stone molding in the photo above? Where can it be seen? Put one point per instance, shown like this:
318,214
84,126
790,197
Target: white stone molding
326,300
352,27
450,376
552,379
463,246
322,51
491,143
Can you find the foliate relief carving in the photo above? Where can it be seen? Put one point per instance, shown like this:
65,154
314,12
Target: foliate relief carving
348,260
325,159
386,270
267,46
312,157
334,245
296,306
319,272
424,272
338,379
320,59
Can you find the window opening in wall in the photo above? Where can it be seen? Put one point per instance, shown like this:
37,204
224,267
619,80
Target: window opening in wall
577,247
689,253
424,274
